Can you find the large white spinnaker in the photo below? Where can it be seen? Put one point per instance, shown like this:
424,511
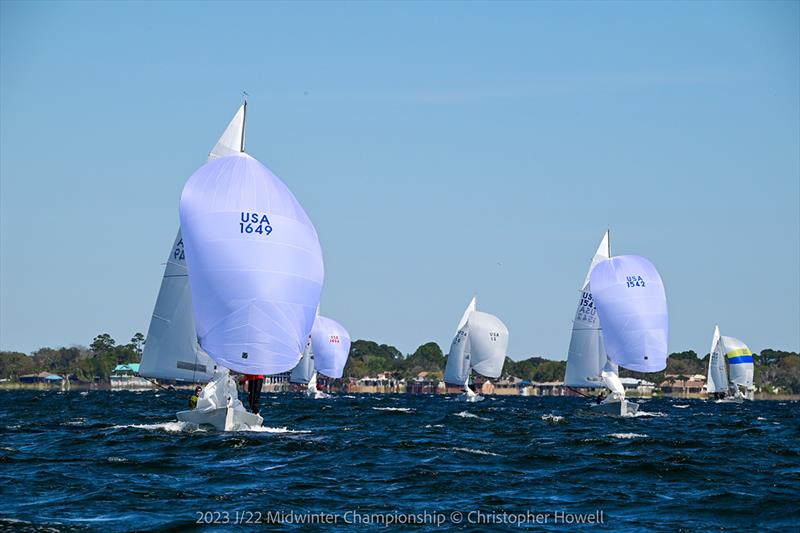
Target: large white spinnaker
740,362
255,265
632,305
587,358
717,373
171,350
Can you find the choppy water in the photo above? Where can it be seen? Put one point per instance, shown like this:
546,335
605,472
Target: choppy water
119,461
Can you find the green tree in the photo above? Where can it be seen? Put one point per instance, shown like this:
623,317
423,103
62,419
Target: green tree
102,343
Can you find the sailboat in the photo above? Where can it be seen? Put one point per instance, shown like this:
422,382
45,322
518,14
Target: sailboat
326,353
626,295
480,344
255,273
726,382
172,352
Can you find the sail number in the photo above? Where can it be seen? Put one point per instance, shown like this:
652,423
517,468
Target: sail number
177,253
254,223
334,339
586,310
494,336
635,281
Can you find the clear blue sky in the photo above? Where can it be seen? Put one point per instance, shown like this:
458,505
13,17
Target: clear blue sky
441,149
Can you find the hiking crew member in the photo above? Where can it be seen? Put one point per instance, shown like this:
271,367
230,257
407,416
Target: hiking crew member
195,397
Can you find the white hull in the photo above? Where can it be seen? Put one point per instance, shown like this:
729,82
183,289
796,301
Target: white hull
222,418
730,399
616,407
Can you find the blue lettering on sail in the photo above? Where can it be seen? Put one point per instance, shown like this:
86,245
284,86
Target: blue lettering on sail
635,281
254,223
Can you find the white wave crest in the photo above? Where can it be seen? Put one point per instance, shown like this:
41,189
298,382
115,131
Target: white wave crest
628,435
398,409
479,452
645,414
555,419
266,429
684,406
169,427
467,414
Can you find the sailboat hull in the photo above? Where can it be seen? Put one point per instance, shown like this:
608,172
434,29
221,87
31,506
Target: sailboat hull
222,418
616,408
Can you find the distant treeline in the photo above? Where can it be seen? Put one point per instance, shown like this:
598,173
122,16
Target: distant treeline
773,368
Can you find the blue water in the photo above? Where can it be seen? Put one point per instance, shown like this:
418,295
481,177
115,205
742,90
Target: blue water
119,461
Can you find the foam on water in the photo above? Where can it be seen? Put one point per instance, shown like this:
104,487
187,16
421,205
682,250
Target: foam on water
478,452
645,414
169,427
682,406
554,419
398,409
627,435
467,414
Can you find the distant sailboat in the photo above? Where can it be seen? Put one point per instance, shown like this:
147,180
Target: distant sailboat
480,344
255,273
626,295
326,353
731,382
172,351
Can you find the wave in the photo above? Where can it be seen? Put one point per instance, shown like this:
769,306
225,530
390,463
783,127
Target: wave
467,414
266,429
682,406
645,414
628,435
555,419
478,452
398,409
169,427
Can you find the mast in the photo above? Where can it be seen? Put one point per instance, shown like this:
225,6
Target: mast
244,124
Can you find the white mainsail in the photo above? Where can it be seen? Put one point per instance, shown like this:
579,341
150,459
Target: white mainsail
172,351
717,373
480,344
587,358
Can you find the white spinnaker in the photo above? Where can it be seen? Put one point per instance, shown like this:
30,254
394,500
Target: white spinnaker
457,368
610,375
331,344
740,361
587,356
488,339
717,374
171,350
304,370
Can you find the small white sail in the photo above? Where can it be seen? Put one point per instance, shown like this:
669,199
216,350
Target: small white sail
587,356
610,375
457,368
302,373
232,140
740,362
480,344
331,346
717,373
172,351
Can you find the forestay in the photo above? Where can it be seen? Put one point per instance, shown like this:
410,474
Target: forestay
632,306
255,265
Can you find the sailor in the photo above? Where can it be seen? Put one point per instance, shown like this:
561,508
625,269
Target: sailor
195,397
600,397
253,384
